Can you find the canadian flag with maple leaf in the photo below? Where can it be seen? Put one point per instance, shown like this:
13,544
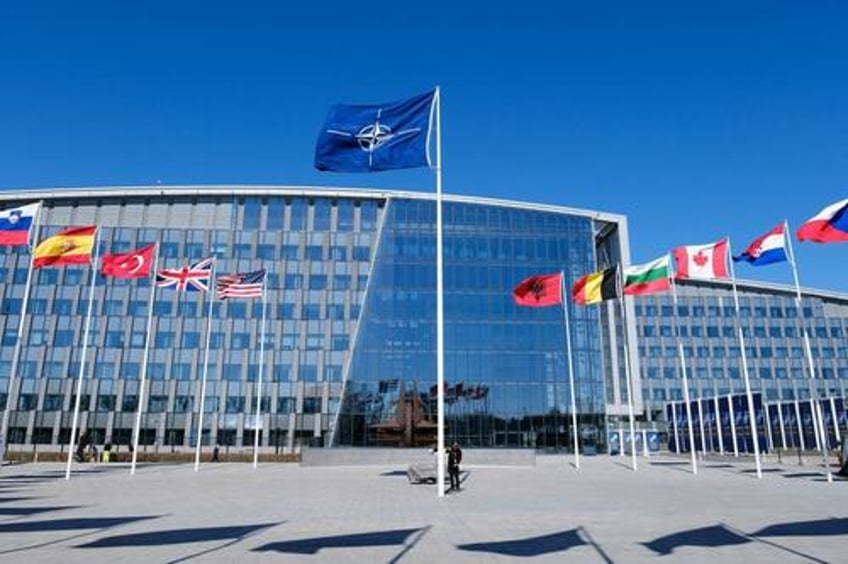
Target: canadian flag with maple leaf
702,262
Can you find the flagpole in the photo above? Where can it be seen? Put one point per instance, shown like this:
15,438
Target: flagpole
84,351
209,301
440,308
685,379
259,381
626,343
143,379
818,422
570,361
752,416
718,426
16,354
731,416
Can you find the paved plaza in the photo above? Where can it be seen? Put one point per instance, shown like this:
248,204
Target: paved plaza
550,512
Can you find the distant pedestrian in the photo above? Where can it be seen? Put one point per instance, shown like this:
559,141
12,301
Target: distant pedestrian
215,454
454,459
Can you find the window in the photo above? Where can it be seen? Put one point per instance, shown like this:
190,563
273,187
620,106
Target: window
312,405
236,309
60,307
187,309
341,282
232,372
162,308
293,281
311,311
315,252
265,251
318,282
290,252
240,341
157,404
61,338
338,253
361,254
191,340
164,340
341,342
181,371
113,307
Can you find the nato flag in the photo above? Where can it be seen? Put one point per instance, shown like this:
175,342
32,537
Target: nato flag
368,138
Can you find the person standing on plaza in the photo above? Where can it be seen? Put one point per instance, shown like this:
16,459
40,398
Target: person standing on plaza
454,459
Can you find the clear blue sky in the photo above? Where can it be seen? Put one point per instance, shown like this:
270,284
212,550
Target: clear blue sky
696,121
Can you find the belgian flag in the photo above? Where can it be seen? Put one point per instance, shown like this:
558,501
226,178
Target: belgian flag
596,287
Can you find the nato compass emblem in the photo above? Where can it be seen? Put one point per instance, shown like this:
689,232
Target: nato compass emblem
375,135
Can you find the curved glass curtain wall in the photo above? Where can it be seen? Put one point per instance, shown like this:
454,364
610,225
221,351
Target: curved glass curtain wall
506,375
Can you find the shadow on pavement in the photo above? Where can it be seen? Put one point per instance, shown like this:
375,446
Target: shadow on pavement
70,524
395,473
313,545
11,499
805,475
817,528
714,536
530,546
34,510
177,536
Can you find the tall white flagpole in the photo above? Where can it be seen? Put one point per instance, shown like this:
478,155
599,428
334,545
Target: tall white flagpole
440,308
732,418
570,361
717,424
16,354
209,302
674,428
782,426
84,351
701,425
259,380
626,343
767,422
143,379
815,405
685,379
752,415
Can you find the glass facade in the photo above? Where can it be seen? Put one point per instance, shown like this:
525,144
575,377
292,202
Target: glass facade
505,366
350,323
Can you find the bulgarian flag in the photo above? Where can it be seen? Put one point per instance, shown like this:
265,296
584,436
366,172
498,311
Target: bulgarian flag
649,278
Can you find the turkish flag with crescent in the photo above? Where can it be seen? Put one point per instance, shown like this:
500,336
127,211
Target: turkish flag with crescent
134,264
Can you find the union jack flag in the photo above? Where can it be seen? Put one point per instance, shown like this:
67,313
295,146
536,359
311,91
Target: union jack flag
190,278
247,285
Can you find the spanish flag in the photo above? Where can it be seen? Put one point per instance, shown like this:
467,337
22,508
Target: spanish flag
596,287
71,246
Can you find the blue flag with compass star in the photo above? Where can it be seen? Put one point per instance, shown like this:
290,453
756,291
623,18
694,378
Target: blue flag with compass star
368,138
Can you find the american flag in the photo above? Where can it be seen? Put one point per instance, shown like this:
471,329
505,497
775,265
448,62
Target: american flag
247,285
190,278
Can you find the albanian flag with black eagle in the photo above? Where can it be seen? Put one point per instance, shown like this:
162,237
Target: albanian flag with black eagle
539,291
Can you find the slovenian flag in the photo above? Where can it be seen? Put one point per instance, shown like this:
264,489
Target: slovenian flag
828,226
15,224
767,249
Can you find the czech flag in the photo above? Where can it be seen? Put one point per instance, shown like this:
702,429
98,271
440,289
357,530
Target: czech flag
766,249
828,226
